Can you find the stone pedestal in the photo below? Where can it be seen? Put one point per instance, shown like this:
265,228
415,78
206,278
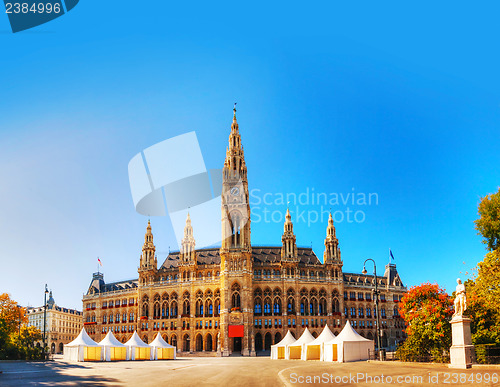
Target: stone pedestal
462,353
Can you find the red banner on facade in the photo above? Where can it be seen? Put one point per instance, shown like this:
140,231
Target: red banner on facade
235,330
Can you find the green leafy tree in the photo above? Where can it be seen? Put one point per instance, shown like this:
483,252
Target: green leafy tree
25,340
482,298
426,309
483,291
488,224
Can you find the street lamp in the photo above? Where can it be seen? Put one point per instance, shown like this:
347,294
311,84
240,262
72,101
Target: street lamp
44,318
376,302
19,327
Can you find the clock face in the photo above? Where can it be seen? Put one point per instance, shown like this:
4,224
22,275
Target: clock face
235,191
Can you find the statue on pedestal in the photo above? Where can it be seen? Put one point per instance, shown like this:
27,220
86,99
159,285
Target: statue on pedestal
462,351
460,299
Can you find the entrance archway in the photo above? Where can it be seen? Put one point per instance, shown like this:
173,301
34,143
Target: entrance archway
268,340
208,343
199,343
173,340
53,348
277,338
61,347
187,347
236,344
258,342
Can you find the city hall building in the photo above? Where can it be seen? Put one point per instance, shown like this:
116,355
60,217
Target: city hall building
240,298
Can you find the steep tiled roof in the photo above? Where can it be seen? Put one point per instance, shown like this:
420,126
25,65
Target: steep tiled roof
260,254
273,254
121,285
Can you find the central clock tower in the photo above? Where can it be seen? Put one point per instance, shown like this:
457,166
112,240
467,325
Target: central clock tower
236,252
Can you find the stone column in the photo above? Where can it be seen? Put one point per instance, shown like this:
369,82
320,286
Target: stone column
462,353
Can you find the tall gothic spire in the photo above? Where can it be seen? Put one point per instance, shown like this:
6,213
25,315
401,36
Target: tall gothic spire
289,249
148,258
235,194
235,158
332,250
188,255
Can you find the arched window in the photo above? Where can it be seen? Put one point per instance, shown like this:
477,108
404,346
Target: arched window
277,306
235,296
258,306
173,309
335,306
267,306
164,309
145,306
186,308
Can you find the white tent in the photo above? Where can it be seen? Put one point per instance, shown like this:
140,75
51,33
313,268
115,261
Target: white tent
161,349
278,350
294,350
138,349
83,348
113,349
347,346
313,350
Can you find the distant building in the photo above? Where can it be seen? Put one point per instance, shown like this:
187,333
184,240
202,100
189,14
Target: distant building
62,324
241,296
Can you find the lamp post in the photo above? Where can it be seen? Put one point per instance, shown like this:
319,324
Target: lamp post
19,315
44,319
376,302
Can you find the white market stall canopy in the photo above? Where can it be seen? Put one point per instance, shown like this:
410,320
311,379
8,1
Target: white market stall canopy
313,350
83,348
278,350
138,349
113,349
294,350
161,349
349,345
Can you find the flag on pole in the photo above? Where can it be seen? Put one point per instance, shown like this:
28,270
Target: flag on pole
392,256
98,260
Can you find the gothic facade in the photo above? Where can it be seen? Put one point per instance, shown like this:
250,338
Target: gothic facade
240,298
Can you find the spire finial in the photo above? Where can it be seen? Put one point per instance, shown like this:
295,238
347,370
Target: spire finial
234,112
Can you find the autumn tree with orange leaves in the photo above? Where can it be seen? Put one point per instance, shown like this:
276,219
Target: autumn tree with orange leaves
16,339
427,310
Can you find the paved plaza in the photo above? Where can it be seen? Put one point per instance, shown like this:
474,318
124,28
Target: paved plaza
238,371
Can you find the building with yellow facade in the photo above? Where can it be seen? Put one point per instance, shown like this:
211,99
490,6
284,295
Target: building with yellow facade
62,325
239,297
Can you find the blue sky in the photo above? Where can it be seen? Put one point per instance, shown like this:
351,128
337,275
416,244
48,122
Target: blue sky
390,98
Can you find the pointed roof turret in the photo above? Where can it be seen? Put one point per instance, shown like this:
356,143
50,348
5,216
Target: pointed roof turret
332,250
148,258
188,243
235,159
289,247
